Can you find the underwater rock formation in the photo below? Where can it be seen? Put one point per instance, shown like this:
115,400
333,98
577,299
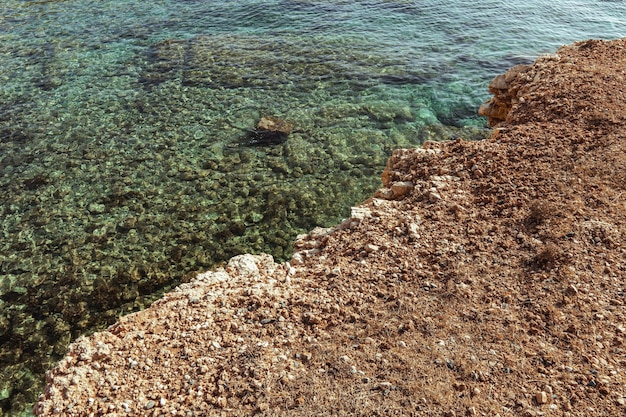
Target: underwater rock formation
249,61
269,130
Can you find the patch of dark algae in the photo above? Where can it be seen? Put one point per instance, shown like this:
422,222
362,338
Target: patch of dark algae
107,206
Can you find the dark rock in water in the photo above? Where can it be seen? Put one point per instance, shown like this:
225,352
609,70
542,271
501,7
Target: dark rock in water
269,130
403,79
260,137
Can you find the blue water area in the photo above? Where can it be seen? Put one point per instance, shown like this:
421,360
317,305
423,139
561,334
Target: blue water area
124,160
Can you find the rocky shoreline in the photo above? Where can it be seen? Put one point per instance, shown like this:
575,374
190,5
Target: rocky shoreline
483,278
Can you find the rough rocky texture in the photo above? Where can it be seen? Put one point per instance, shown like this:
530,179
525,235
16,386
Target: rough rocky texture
486,278
201,60
504,95
274,124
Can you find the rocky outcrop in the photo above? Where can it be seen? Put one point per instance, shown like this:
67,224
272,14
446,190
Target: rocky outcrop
504,95
485,278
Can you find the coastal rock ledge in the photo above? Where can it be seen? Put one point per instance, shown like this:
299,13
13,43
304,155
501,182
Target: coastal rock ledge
484,279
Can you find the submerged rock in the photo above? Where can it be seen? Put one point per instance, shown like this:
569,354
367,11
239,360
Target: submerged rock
269,130
244,61
274,124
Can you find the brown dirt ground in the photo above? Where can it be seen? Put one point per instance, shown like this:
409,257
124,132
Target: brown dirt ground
485,279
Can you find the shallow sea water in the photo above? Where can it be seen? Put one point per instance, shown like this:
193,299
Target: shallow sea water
122,166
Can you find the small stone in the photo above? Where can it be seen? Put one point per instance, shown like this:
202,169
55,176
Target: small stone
541,397
310,318
150,405
433,196
96,208
384,193
102,351
572,290
385,386
222,402
369,248
244,265
297,258
128,223
274,124
360,213
413,230
401,188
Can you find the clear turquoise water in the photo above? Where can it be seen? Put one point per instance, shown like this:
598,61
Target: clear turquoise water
121,167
